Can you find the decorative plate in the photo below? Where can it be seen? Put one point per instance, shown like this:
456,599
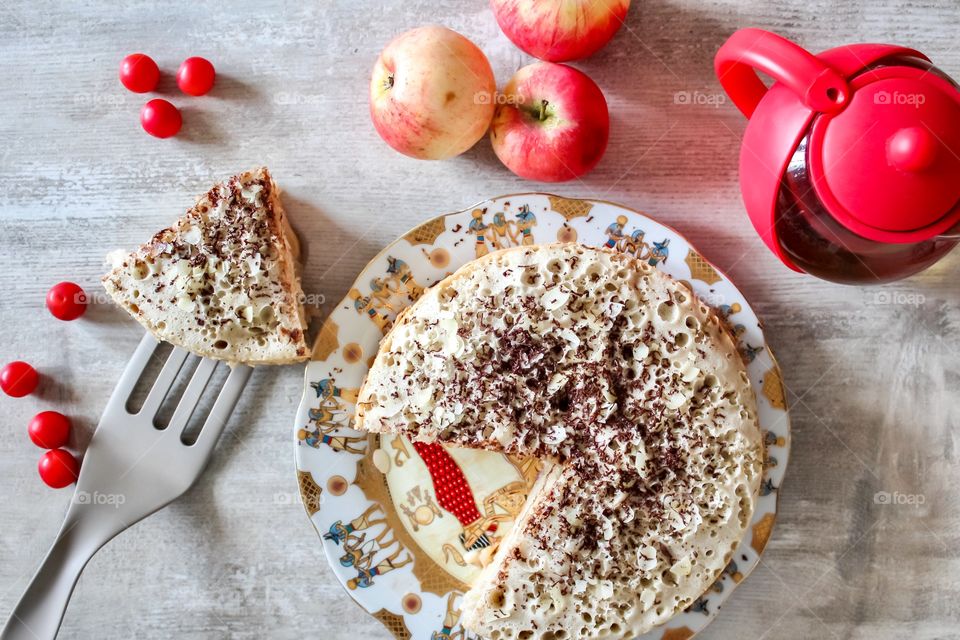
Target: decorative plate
404,526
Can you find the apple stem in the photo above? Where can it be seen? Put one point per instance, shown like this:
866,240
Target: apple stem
542,113
389,82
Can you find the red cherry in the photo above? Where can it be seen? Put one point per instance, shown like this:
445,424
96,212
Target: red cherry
49,430
18,379
196,76
66,301
139,73
160,118
58,468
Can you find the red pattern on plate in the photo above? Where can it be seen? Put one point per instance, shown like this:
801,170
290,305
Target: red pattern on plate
453,491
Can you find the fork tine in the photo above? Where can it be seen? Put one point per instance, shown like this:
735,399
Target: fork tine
164,381
223,407
191,396
132,372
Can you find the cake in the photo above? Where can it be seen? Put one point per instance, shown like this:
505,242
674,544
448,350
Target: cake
222,281
632,393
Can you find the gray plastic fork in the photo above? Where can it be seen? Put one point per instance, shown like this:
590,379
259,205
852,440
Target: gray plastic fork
130,470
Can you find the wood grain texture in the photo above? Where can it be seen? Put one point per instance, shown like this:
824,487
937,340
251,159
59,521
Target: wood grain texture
872,374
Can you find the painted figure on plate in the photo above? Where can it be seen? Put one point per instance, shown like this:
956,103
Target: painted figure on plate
388,293
401,280
659,253
365,555
339,532
451,629
382,294
526,221
479,228
749,352
502,232
368,306
614,233
329,416
634,244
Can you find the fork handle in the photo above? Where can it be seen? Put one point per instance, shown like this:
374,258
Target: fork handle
40,610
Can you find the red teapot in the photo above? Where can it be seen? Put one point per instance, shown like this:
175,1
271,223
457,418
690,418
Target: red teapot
850,163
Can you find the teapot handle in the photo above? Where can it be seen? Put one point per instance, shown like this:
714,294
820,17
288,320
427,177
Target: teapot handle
820,87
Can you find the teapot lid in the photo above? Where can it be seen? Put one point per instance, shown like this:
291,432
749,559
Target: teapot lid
887,166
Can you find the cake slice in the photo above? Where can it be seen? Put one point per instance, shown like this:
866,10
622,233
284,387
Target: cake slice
222,281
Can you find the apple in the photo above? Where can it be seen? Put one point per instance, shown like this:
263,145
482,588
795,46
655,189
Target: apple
551,123
560,30
432,93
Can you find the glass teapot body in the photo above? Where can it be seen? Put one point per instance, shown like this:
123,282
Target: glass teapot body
820,245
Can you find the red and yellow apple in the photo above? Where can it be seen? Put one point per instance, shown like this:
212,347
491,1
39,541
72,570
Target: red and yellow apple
560,30
551,123
432,93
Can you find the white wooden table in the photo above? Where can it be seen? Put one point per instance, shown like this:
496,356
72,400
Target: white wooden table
872,380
